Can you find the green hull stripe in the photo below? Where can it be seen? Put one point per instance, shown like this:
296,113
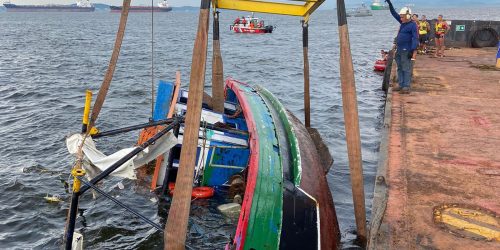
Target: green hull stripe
292,139
265,221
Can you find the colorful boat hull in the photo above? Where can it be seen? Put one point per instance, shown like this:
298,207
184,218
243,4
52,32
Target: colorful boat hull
276,177
237,29
286,200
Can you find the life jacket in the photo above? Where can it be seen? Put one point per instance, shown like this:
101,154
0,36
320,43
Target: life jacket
422,27
441,27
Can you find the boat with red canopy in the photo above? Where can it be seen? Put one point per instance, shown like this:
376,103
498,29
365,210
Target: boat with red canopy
250,24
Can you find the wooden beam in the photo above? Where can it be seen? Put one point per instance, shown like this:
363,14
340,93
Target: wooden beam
217,69
307,96
350,106
176,226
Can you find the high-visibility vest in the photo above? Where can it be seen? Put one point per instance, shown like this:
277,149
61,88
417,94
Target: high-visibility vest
441,27
423,26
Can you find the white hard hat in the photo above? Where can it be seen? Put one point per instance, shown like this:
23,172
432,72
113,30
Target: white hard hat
404,11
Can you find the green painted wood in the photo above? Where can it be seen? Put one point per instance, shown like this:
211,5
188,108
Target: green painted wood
265,221
292,139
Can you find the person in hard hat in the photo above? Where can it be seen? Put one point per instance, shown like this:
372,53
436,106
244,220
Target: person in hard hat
406,45
441,29
423,34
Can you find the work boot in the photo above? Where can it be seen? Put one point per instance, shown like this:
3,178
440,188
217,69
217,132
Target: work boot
396,88
405,90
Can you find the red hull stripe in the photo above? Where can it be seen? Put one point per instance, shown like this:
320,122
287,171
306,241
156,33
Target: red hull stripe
253,165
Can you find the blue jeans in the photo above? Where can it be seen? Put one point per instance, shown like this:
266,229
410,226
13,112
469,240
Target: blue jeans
403,59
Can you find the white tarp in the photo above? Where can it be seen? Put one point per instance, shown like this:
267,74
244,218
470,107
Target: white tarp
102,161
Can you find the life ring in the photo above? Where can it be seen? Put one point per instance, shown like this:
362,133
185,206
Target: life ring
202,192
198,192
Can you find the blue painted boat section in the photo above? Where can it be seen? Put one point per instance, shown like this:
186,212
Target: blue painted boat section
163,99
238,123
224,161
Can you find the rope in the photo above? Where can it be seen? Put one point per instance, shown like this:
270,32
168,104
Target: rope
152,61
202,162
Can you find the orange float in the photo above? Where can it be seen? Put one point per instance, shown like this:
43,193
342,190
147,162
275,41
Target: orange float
198,192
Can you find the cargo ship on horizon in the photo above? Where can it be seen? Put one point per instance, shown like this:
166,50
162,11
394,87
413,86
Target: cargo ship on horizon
162,7
80,6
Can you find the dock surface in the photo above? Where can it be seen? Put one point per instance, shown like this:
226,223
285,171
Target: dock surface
438,184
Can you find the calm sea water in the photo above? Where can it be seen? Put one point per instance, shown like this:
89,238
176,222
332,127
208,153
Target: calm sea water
48,60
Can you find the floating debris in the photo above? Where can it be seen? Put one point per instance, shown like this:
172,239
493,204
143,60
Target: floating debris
230,209
54,198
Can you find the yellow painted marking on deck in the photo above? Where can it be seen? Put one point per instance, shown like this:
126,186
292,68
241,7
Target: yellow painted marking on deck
474,215
488,233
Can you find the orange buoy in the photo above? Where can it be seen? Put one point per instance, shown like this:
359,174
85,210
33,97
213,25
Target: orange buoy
198,192
202,192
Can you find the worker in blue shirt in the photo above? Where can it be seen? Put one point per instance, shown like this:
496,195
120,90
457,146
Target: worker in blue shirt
406,45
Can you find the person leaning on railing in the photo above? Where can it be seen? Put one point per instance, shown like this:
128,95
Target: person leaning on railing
406,44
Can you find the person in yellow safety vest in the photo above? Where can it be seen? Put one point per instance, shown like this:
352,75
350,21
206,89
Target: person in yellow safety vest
441,28
423,34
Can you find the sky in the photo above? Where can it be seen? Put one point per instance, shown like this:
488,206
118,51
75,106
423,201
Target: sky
329,4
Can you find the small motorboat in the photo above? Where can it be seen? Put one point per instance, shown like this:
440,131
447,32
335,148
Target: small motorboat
361,11
380,65
250,25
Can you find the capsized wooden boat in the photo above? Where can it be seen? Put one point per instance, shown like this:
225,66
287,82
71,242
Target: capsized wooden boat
286,200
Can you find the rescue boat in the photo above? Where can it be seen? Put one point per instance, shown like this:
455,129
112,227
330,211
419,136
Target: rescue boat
250,25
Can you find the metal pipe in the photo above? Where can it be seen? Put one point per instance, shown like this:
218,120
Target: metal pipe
131,128
76,194
150,222
129,156
70,229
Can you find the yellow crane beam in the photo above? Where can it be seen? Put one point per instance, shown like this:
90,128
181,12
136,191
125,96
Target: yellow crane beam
279,8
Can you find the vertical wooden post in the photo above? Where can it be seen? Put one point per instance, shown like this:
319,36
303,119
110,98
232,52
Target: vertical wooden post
176,227
350,105
307,97
217,69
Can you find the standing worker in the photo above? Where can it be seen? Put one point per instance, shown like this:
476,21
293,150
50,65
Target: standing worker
406,44
441,29
423,34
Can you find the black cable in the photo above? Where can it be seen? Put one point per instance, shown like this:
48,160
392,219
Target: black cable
152,223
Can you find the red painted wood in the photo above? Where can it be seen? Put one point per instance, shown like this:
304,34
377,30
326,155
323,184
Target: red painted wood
253,165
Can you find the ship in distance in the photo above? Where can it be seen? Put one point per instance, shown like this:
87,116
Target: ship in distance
80,6
162,6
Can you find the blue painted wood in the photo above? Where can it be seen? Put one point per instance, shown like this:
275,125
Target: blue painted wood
163,99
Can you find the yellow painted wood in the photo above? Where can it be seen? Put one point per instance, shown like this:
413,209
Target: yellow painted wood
486,232
279,8
474,215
